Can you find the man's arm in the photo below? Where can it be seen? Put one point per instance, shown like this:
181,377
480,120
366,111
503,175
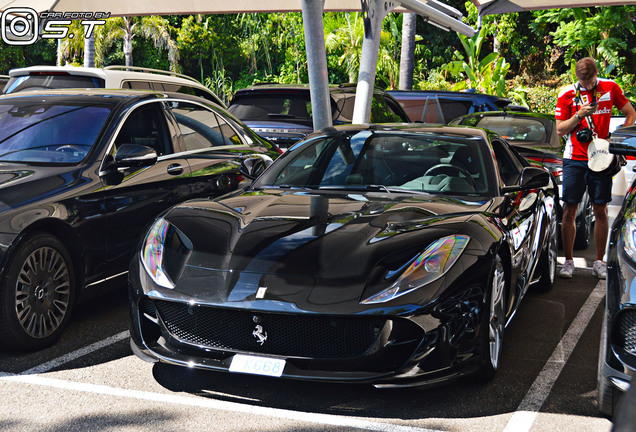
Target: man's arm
630,114
564,127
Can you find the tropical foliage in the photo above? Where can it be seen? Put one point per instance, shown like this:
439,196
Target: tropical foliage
525,56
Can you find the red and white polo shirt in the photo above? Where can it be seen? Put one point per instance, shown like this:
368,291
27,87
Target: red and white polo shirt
608,94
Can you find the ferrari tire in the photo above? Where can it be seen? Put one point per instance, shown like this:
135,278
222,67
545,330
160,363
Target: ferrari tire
493,322
36,294
608,395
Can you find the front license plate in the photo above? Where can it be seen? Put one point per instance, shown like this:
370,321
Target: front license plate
257,365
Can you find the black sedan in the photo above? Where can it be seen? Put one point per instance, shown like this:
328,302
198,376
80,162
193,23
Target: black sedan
534,135
82,173
393,255
617,356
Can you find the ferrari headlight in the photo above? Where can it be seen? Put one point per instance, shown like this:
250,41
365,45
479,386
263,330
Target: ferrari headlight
165,253
425,268
629,236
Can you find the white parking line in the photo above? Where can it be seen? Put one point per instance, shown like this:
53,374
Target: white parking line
30,376
45,367
527,412
322,419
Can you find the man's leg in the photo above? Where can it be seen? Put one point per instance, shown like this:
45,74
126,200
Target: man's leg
568,229
601,229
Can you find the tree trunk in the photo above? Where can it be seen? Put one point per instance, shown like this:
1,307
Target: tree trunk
89,51
407,55
128,51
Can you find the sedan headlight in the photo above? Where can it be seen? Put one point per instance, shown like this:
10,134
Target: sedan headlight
165,252
629,236
425,268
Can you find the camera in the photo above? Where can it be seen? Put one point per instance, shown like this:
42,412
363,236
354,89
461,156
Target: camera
584,135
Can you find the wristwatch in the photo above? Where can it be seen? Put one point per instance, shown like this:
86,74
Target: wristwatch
578,116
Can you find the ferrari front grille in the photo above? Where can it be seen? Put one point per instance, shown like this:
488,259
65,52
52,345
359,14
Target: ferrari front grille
627,331
308,336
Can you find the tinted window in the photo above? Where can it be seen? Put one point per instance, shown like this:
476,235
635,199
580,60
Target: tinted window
137,85
429,163
381,112
201,128
145,126
49,133
40,82
272,106
514,128
509,166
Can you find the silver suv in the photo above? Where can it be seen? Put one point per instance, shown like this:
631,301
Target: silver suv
110,77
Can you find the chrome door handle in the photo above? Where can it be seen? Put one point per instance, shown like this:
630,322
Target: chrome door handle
175,169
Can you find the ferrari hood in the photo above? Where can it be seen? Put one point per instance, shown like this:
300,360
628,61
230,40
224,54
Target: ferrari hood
304,239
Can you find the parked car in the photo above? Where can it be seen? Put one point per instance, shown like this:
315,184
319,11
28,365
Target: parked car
110,77
441,106
281,113
82,172
623,179
3,81
391,255
617,355
534,135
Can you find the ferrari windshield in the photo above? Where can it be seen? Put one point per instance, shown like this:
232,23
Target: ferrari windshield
387,161
33,131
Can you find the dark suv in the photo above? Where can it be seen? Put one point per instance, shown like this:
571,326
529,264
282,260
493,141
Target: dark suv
281,113
440,106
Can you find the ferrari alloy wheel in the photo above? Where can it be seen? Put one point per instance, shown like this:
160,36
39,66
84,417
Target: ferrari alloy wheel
493,322
547,264
37,294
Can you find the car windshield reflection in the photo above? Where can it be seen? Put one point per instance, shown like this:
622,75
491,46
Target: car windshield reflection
40,132
395,162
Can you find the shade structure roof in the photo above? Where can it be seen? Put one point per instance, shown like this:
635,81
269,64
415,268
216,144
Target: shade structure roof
489,7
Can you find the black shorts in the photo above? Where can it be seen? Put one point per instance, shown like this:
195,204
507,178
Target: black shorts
577,176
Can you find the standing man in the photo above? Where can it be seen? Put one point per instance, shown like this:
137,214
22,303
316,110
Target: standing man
587,105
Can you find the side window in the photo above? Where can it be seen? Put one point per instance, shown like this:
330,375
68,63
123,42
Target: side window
509,167
201,128
381,113
145,126
136,85
204,94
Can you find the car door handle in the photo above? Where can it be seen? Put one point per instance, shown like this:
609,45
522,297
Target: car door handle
175,169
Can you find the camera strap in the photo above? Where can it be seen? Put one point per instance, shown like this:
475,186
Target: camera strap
577,100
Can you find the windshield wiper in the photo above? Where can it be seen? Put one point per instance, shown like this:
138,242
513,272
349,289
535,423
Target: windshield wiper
373,188
286,186
283,116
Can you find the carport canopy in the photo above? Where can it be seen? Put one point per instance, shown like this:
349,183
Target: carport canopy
374,11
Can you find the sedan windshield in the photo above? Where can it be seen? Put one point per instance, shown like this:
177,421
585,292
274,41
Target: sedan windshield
387,161
49,133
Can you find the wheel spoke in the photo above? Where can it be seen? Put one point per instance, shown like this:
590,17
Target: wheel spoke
42,292
497,315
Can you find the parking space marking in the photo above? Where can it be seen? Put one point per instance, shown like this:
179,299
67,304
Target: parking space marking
45,367
308,417
526,414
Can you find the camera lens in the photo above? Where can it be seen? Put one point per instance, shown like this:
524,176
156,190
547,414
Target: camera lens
584,135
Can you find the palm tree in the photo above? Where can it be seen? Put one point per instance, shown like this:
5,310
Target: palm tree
127,28
407,56
345,38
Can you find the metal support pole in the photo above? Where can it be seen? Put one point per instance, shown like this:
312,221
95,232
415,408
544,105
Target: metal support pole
317,63
374,12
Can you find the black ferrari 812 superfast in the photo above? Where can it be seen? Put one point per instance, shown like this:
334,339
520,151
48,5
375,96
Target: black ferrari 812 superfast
386,254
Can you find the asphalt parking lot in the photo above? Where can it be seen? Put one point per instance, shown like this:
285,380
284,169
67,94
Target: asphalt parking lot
90,380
